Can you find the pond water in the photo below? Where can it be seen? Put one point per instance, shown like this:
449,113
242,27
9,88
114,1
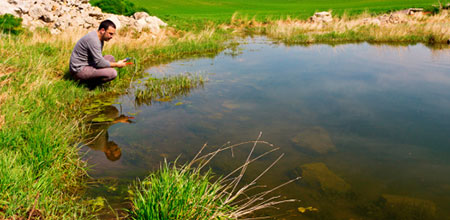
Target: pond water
367,126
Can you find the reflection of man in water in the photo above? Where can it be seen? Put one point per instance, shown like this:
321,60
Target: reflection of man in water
98,137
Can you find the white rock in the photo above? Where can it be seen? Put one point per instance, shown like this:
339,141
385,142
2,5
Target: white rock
139,15
76,22
60,15
140,24
96,12
7,8
26,20
61,24
36,23
37,12
55,31
155,20
154,28
323,16
48,17
23,8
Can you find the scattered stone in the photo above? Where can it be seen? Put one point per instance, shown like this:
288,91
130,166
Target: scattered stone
316,139
318,174
323,16
60,15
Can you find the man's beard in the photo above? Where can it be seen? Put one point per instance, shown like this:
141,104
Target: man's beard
104,38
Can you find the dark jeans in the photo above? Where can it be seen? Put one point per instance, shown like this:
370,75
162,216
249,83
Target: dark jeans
90,74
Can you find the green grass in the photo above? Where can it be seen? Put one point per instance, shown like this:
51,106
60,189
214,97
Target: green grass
178,193
220,11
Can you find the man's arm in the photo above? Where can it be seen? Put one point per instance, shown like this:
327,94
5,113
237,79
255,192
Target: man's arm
119,64
96,52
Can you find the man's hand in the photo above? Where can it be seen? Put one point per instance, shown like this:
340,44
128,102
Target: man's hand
123,119
119,64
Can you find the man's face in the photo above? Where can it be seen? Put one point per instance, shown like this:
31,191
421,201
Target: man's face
107,34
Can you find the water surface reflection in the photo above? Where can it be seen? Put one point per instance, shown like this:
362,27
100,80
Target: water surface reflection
366,126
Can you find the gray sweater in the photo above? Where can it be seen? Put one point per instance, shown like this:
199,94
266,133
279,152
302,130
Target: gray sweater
88,52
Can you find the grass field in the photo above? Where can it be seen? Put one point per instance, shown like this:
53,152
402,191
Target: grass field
222,10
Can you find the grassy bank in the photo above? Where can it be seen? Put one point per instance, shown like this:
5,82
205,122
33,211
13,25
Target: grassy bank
397,28
40,117
41,120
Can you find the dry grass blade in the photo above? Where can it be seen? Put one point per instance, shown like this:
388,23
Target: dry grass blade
231,193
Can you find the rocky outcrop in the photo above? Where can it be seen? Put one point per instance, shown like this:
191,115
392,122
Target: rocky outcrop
60,15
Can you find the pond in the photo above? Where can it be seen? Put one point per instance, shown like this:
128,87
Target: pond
366,126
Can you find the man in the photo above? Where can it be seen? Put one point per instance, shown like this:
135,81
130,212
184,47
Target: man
87,63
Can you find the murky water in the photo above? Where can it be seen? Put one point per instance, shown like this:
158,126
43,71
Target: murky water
368,127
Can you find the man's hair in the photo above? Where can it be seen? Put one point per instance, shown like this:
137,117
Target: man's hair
106,24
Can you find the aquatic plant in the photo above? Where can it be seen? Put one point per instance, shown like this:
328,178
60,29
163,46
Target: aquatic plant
167,88
188,192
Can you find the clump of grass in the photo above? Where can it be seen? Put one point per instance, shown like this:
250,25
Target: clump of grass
188,193
167,88
177,193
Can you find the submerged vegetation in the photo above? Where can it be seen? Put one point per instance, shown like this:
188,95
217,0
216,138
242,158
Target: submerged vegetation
167,88
41,108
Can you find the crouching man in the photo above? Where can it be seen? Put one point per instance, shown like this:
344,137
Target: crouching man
87,63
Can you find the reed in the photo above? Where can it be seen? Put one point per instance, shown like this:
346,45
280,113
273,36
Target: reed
188,192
